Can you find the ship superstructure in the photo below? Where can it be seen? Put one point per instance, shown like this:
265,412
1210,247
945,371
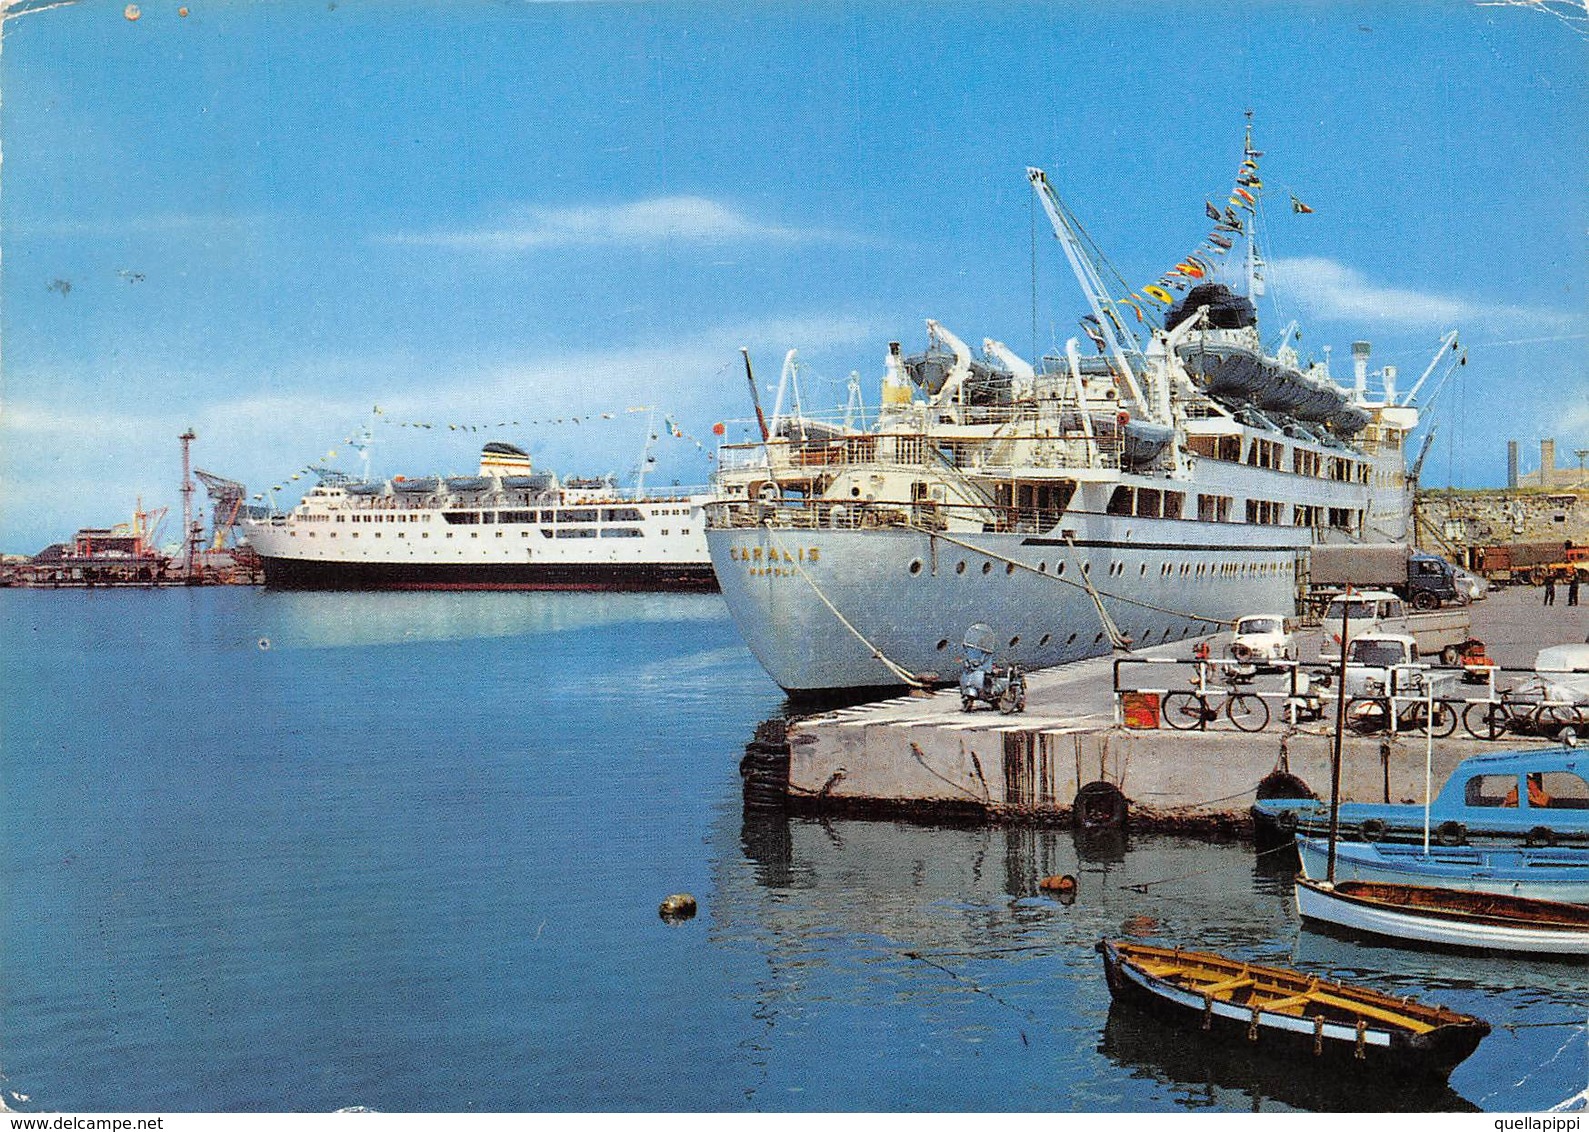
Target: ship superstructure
1144,493
506,527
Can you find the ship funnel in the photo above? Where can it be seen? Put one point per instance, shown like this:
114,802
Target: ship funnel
1390,385
1360,368
896,385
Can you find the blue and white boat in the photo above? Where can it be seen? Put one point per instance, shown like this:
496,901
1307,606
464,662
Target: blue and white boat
1534,798
1560,873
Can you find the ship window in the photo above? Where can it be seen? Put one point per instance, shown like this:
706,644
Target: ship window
422,534
546,516
577,532
546,532
1490,790
499,534
621,515
1098,640
1042,567
960,567
456,517
1144,571
1009,567
1015,640
1070,640
516,516
524,534
943,644
1042,642
342,518
1120,501
915,566
622,532
488,516
987,567
580,515
1060,569
1565,791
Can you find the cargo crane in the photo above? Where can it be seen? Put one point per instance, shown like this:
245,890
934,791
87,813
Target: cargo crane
227,498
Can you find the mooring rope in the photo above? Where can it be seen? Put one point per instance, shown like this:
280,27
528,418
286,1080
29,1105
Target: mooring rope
1087,585
898,670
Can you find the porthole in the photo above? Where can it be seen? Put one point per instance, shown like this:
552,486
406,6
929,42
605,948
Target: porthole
1098,640
1009,567
1060,569
943,644
987,567
1086,567
1015,640
915,566
1071,640
1143,573
1042,642
1042,567
960,567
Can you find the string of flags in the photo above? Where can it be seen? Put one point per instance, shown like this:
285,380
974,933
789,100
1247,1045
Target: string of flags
358,441
1233,218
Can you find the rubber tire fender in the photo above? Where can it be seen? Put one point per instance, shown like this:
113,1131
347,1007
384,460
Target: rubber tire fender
1451,833
1099,805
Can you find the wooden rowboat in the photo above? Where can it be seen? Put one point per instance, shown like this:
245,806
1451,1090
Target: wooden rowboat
1447,918
1282,1013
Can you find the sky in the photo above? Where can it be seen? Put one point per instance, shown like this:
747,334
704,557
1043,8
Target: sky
263,220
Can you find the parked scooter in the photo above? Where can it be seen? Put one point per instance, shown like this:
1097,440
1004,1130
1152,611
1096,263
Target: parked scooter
984,680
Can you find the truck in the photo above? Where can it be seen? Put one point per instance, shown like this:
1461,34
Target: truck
1424,579
1524,563
1443,632
1385,680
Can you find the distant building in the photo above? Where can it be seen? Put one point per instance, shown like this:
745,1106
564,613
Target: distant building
1549,475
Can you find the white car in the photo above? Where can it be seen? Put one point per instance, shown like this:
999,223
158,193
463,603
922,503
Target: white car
1261,640
1470,587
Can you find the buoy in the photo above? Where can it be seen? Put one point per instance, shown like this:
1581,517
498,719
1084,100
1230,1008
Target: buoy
264,644
1062,884
679,906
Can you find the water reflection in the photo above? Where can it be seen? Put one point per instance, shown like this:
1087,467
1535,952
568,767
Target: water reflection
1198,1072
335,619
949,924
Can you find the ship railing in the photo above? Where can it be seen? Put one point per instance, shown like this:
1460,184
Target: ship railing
1069,449
1200,692
795,513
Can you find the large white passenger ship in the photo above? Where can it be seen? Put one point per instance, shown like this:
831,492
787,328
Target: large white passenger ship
507,528
1142,494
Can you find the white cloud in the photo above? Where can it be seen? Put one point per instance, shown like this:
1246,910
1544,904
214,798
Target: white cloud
1331,290
682,219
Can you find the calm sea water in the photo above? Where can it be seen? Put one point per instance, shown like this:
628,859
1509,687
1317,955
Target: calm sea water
301,852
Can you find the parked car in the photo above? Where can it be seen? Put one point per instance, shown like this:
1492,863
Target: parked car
1260,640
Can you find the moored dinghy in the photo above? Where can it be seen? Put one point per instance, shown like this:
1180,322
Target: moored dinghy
1444,917
1541,873
1281,1012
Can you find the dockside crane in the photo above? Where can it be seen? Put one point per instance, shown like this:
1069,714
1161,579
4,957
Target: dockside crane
226,511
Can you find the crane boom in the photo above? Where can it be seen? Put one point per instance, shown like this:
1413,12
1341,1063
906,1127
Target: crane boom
1091,285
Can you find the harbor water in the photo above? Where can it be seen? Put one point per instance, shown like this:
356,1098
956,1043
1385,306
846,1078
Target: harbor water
295,851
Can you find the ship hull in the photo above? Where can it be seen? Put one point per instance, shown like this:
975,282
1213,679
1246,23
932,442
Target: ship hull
311,574
831,609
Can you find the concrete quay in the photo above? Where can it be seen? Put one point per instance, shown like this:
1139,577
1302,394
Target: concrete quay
922,757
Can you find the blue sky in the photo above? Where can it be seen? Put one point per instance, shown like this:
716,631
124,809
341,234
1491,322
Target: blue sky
260,220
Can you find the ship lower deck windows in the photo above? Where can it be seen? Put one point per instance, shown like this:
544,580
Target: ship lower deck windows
577,532
622,532
1213,508
516,516
621,515
461,517
576,515
1265,512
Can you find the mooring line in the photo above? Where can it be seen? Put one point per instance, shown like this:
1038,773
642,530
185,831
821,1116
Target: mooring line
904,674
997,557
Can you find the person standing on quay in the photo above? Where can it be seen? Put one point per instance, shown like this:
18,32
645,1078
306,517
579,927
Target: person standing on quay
1550,589
1572,589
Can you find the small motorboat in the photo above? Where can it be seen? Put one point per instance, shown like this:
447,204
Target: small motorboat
1420,915
1542,873
1302,1018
